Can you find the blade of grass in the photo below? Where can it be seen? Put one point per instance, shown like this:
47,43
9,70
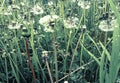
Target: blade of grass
93,43
17,69
14,71
102,71
6,68
106,51
91,54
115,58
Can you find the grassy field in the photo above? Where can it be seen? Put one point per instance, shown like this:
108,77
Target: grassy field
59,41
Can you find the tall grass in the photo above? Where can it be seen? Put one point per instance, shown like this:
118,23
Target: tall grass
110,75
114,62
76,50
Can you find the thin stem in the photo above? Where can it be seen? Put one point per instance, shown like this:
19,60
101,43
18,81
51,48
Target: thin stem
74,55
68,44
6,70
55,58
48,68
67,48
75,70
81,54
29,61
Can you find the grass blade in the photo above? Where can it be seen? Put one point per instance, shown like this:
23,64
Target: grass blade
114,62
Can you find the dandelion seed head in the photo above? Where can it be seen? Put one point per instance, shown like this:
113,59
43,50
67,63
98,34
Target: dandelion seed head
107,26
48,22
37,10
71,23
14,25
45,19
84,4
44,54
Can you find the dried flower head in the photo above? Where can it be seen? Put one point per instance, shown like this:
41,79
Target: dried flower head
44,54
71,23
45,20
106,25
37,10
84,4
48,22
14,25
48,18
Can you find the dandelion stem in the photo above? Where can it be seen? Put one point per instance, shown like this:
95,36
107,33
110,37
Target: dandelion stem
29,61
55,58
74,56
49,71
75,70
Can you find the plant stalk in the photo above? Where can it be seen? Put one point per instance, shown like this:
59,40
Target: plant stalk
29,61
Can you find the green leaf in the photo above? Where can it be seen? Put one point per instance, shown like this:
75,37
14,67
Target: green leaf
115,58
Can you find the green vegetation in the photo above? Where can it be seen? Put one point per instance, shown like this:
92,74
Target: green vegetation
59,41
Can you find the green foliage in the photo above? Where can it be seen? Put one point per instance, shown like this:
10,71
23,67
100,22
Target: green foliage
69,41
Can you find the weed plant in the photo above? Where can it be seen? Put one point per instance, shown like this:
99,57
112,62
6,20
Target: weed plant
59,41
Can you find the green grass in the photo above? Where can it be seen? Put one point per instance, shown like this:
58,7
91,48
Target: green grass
60,49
